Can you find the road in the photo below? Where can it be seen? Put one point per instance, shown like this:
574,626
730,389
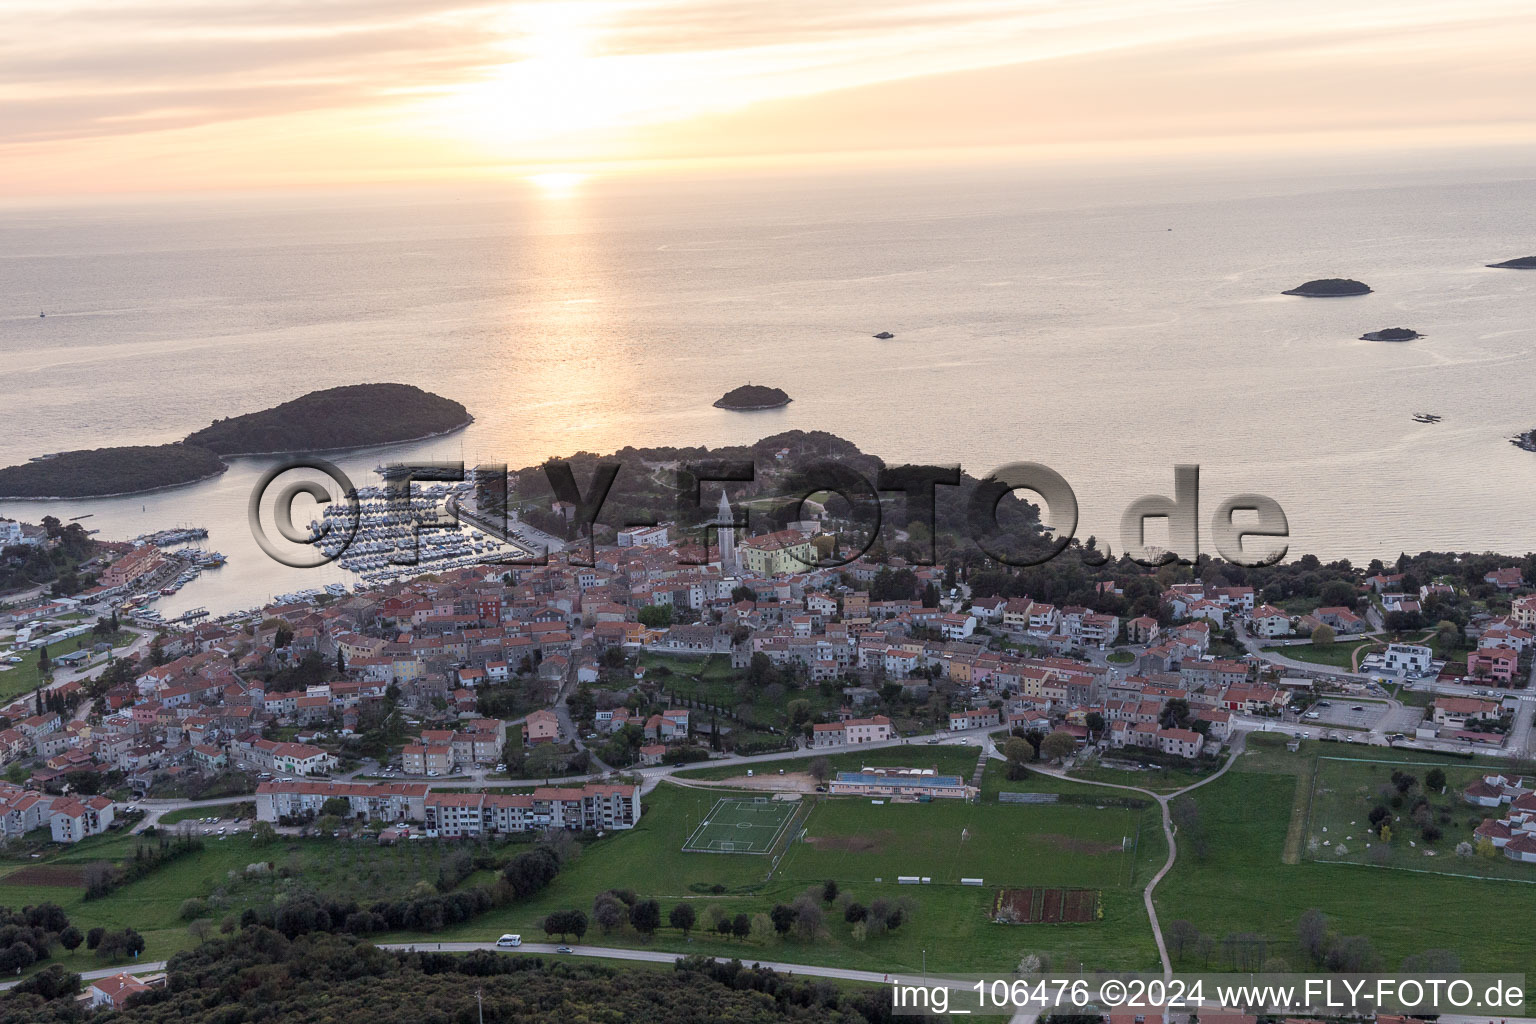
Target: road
655,773
548,949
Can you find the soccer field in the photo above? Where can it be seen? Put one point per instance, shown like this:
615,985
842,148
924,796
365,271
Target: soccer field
741,825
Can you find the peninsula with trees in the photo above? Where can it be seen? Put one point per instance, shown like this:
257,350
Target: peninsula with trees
354,416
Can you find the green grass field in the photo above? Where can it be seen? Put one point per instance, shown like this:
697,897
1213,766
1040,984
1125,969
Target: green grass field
750,825
1343,793
1156,778
24,678
949,920
357,870
1243,886
853,840
1335,655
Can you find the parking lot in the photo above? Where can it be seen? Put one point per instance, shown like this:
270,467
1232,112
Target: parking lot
1345,712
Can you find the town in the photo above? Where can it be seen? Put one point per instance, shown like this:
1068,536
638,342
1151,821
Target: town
512,702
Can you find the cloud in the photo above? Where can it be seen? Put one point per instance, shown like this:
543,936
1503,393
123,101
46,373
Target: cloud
383,82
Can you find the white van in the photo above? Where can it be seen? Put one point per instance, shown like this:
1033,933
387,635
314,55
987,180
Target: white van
510,940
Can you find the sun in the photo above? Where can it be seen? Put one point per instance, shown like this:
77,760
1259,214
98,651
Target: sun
557,184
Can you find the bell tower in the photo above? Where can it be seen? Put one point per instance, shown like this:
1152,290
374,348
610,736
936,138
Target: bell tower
726,523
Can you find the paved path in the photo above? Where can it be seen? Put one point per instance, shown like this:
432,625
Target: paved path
1239,741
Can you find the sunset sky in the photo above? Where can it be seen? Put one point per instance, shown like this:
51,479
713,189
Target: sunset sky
132,95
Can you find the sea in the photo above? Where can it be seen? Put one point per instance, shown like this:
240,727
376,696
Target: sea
1108,323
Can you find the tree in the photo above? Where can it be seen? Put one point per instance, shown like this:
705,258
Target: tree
656,616
565,922
1181,936
1058,745
682,918
1434,779
855,913
820,769
1095,723
1312,934
341,662
70,938
1323,636
828,891
608,912
808,918
262,833
1018,751
1175,714
94,936
783,917
741,926
16,957
645,917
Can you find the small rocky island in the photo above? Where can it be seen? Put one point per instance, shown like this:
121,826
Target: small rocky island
357,416
885,336
1328,288
752,396
1522,263
1391,334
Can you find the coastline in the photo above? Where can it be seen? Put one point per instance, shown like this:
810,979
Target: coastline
350,447
242,455
119,494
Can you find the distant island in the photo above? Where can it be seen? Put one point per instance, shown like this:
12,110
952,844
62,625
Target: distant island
885,336
1391,334
355,416
752,396
1329,287
1522,263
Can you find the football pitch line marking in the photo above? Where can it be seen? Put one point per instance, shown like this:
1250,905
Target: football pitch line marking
747,808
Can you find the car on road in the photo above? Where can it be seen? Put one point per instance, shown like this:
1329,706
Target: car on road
562,949
508,941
